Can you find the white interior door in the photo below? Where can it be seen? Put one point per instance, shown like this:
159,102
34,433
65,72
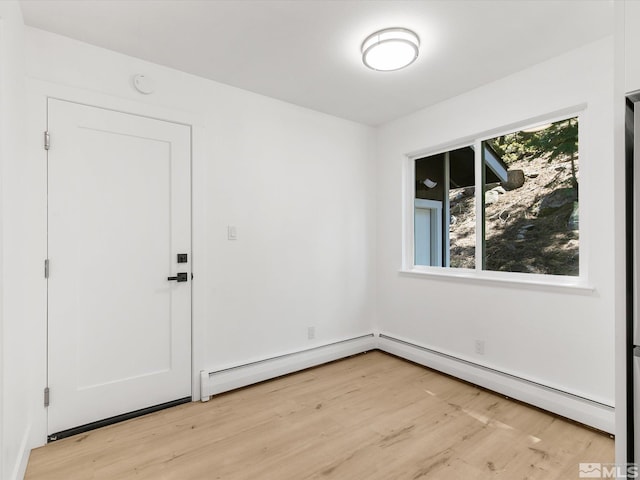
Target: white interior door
119,214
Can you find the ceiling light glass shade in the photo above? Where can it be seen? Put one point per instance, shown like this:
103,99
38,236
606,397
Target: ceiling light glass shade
390,49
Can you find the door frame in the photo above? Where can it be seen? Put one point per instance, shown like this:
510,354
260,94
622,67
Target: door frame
38,94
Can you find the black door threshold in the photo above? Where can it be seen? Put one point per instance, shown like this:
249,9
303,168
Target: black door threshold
111,420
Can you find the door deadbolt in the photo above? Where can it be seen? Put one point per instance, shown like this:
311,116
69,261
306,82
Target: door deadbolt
180,277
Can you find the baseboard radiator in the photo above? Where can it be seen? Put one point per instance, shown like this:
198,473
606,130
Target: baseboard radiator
574,407
218,381
586,411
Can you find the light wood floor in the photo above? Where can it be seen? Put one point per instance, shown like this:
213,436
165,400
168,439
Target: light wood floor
371,417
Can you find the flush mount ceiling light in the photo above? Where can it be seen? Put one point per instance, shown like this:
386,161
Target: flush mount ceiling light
390,49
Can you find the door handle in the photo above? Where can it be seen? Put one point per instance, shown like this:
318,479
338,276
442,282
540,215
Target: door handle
180,277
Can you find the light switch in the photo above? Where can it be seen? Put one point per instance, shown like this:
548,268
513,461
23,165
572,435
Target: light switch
232,232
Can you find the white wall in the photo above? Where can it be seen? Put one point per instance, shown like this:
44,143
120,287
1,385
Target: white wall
297,184
627,37
557,337
632,45
21,273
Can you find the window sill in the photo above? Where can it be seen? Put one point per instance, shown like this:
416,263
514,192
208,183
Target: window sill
515,280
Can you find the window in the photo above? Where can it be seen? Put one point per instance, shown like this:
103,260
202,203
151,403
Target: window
521,215
444,194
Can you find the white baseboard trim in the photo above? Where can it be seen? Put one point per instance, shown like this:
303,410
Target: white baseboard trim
571,406
22,459
214,382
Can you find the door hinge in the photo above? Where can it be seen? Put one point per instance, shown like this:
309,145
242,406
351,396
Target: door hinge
47,140
46,396
46,268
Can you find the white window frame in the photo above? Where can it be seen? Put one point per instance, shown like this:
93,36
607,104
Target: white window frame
579,282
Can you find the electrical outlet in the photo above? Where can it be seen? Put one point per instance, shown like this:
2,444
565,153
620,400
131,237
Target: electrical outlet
311,333
480,347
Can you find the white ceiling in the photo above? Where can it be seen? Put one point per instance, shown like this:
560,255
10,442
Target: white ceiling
308,52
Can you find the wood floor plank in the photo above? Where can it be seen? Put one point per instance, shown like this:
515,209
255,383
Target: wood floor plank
371,416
